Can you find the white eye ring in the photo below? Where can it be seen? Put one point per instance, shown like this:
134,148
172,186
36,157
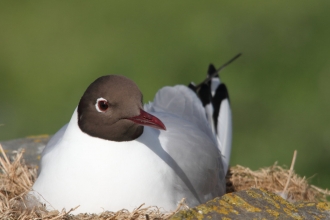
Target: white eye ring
101,104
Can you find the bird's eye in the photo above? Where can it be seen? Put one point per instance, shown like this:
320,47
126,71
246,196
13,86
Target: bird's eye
101,105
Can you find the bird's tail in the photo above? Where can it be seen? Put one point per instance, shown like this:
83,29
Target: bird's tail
214,96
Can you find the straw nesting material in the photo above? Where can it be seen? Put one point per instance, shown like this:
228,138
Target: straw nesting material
16,180
274,179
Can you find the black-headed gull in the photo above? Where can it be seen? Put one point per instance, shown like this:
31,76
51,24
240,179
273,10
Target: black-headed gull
116,153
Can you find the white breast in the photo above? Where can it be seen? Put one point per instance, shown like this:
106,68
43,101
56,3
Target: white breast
159,168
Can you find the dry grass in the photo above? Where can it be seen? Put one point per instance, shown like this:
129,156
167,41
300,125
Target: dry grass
278,180
16,180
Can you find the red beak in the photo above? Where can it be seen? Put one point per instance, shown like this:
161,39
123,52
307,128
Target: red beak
147,119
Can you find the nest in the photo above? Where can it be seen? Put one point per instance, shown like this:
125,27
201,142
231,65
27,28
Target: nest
17,178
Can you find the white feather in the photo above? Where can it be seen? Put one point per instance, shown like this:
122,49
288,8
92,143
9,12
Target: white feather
225,132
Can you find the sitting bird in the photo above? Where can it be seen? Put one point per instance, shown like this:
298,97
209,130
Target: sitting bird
117,153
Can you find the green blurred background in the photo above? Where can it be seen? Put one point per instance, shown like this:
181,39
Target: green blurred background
50,51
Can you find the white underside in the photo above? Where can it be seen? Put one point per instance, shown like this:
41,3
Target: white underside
159,168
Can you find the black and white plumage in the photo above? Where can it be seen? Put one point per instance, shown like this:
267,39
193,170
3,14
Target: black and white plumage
116,153
215,99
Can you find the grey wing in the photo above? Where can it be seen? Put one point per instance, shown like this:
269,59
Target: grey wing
181,102
190,141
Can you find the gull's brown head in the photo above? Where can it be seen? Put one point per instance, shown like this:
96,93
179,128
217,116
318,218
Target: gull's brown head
112,109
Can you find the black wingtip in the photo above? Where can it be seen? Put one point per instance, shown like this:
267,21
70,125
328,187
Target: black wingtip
221,94
211,69
192,87
204,94
216,72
